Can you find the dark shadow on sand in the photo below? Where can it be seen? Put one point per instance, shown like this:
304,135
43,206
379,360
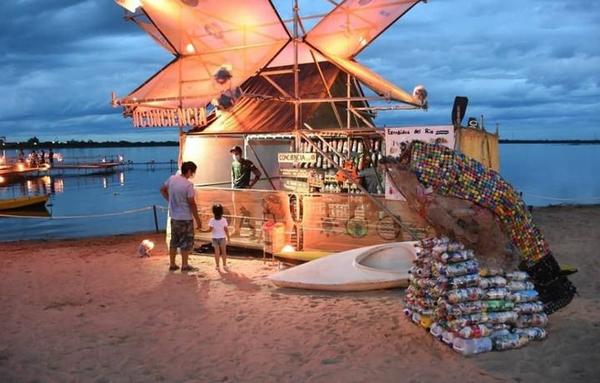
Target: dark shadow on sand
239,280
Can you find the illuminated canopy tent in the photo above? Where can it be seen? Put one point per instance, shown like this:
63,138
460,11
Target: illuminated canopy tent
219,45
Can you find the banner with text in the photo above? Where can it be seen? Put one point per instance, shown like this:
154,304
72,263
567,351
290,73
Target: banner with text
397,140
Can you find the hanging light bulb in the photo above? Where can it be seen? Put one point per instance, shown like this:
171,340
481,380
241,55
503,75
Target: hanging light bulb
190,48
420,95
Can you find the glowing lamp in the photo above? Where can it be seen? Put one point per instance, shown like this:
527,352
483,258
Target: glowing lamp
190,48
420,95
2,179
130,5
20,167
145,248
288,249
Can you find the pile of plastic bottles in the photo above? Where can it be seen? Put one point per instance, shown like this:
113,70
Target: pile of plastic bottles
471,308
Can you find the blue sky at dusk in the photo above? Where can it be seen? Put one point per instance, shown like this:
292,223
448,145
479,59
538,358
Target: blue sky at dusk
530,66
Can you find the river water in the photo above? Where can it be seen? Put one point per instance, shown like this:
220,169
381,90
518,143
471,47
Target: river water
545,173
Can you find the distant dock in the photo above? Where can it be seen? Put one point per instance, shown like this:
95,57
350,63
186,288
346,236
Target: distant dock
19,171
86,168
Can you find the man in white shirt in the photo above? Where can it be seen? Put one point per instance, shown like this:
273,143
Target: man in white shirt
178,190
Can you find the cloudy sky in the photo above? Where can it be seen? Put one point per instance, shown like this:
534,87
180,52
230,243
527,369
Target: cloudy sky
530,66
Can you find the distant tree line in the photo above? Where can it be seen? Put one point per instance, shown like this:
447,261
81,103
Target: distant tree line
573,142
34,142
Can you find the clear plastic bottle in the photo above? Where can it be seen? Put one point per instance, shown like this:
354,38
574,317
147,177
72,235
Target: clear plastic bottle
517,276
475,331
534,333
472,346
456,256
520,285
524,296
510,341
436,330
492,282
448,337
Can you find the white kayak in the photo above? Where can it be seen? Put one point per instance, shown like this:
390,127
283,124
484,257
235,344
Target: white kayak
366,268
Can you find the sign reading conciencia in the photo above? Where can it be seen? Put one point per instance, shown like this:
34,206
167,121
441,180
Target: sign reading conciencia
150,117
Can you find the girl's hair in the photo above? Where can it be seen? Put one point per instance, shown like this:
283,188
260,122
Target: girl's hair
217,211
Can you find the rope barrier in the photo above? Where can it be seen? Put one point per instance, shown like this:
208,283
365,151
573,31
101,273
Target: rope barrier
132,211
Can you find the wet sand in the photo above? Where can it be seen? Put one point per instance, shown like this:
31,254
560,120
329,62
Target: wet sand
92,311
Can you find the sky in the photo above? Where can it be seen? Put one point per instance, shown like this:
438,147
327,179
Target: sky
530,67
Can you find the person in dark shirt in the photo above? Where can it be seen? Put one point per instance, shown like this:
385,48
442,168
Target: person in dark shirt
242,170
369,179
241,173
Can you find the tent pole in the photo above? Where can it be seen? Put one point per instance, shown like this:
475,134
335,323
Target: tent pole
362,118
361,188
335,111
348,104
296,77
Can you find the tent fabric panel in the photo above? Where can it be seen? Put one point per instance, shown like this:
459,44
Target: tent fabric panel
211,25
241,36
286,56
354,24
189,78
151,30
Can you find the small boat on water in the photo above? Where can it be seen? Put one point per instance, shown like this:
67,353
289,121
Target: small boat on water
366,268
38,201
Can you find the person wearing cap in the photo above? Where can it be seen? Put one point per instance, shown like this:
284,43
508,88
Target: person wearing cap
241,173
242,170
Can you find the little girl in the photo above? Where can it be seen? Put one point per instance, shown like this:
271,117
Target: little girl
220,235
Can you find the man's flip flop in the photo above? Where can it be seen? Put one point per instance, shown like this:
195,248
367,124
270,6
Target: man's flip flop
173,268
189,268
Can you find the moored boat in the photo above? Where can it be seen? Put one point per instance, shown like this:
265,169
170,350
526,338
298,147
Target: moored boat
38,201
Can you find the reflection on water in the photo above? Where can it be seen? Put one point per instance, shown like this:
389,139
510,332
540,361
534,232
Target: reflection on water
32,212
53,184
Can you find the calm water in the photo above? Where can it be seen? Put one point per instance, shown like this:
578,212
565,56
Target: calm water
127,189
547,174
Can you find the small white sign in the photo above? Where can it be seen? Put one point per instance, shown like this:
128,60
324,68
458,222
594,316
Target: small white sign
397,140
296,158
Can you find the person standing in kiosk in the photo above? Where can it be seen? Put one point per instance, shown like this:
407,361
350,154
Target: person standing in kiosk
241,170
241,173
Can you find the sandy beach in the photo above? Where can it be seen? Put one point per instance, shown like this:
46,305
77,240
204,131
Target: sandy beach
92,311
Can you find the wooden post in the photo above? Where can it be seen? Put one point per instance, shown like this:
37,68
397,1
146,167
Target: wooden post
155,218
